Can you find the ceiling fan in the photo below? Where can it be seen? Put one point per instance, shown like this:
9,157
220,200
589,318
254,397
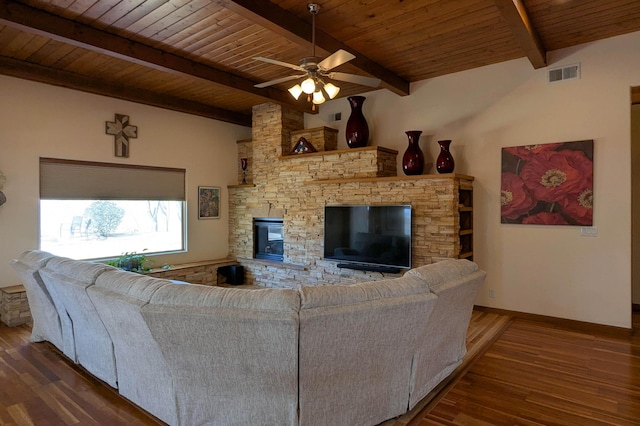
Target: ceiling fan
313,69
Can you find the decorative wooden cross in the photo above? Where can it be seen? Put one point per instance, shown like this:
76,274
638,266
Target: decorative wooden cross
122,131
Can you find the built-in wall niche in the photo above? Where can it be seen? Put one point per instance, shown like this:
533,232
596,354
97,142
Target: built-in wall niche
268,239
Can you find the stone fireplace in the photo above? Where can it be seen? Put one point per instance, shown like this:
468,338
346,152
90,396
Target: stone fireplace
296,187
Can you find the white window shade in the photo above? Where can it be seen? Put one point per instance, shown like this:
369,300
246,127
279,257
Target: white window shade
83,180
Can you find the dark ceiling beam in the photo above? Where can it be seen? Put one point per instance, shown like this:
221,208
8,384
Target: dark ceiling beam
286,24
27,71
515,15
33,20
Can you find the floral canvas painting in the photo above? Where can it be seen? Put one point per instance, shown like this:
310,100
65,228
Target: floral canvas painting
548,184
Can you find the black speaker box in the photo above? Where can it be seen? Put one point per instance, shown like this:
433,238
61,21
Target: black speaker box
233,274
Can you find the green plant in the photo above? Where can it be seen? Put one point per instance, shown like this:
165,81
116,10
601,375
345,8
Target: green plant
132,261
105,217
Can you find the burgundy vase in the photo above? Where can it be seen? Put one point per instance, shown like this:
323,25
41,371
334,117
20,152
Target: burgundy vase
444,162
357,131
413,159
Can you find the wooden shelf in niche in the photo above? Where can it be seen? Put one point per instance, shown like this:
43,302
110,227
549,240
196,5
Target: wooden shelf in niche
465,213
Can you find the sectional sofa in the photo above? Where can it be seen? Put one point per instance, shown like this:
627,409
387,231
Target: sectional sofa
198,355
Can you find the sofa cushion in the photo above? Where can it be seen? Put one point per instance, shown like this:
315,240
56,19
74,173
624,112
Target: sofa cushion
81,270
357,345
232,353
235,298
35,259
46,321
86,340
444,340
134,285
333,295
437,274
143,375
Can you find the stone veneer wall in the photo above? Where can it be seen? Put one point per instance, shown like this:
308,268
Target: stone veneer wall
297,187
14,306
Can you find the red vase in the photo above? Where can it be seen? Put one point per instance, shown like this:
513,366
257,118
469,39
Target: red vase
357,131
444,162
413,158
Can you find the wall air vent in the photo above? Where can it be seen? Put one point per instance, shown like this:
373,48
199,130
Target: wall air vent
569,72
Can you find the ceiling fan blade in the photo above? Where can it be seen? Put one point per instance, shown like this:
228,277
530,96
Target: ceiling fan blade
278,80
282,64
357,79
339,57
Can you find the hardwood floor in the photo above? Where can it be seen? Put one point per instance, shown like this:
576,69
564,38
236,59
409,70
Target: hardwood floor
538,373
517,371
39,386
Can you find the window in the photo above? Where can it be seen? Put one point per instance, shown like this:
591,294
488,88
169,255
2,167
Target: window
101,210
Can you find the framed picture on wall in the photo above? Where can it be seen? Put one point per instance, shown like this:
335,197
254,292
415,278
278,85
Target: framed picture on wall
208,202
548,184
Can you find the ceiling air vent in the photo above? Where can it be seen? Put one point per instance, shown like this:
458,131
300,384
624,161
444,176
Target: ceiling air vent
569,72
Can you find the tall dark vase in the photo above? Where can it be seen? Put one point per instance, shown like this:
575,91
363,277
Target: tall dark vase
444,162
357,131
413,159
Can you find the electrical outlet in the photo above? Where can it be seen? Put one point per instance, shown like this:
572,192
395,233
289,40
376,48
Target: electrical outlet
589,231
492,293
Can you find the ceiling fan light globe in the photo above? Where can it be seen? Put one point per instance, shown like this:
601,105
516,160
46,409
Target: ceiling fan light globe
295,91
331,89
318,98
308,86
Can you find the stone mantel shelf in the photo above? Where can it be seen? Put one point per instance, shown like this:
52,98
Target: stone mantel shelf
245,185
338,151
388,179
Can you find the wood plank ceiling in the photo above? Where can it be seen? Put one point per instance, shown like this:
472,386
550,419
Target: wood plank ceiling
197,56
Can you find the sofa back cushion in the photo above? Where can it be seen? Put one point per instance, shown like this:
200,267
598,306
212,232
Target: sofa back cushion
143,374
335,295
35,259
82,271
67,281
357,344
46,321
439,273
456,283
232,353
131,284
231,298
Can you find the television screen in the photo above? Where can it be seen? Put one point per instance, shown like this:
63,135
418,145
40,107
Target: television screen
370,235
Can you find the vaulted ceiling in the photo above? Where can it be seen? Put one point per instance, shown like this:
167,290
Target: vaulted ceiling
196,56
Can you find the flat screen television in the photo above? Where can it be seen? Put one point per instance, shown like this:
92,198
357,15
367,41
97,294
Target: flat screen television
368,237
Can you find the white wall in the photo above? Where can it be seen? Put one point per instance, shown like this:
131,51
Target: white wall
38,120
547,270
635,201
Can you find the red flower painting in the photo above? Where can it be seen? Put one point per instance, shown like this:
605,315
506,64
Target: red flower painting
549,184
